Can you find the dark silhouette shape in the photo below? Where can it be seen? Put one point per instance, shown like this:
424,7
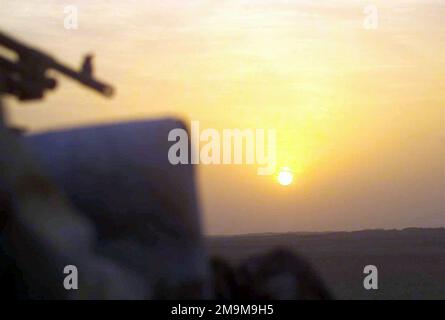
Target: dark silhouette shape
87,66
277,275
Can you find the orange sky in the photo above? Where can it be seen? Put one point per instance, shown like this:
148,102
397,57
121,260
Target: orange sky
359,114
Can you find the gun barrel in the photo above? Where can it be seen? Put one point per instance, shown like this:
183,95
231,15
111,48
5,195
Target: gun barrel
51,63
90,82
12,44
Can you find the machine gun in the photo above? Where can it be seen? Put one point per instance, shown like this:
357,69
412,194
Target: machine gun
25,76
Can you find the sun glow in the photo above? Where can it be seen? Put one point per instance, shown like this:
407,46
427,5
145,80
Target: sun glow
285,176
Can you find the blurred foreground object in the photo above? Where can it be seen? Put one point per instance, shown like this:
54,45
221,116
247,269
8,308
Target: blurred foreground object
144,209
124,216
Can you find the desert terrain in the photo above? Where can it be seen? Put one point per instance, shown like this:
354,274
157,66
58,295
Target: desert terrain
410,262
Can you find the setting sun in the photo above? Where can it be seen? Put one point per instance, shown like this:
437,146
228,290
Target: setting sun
285,177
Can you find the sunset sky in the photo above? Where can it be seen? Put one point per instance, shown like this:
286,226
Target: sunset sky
359,114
